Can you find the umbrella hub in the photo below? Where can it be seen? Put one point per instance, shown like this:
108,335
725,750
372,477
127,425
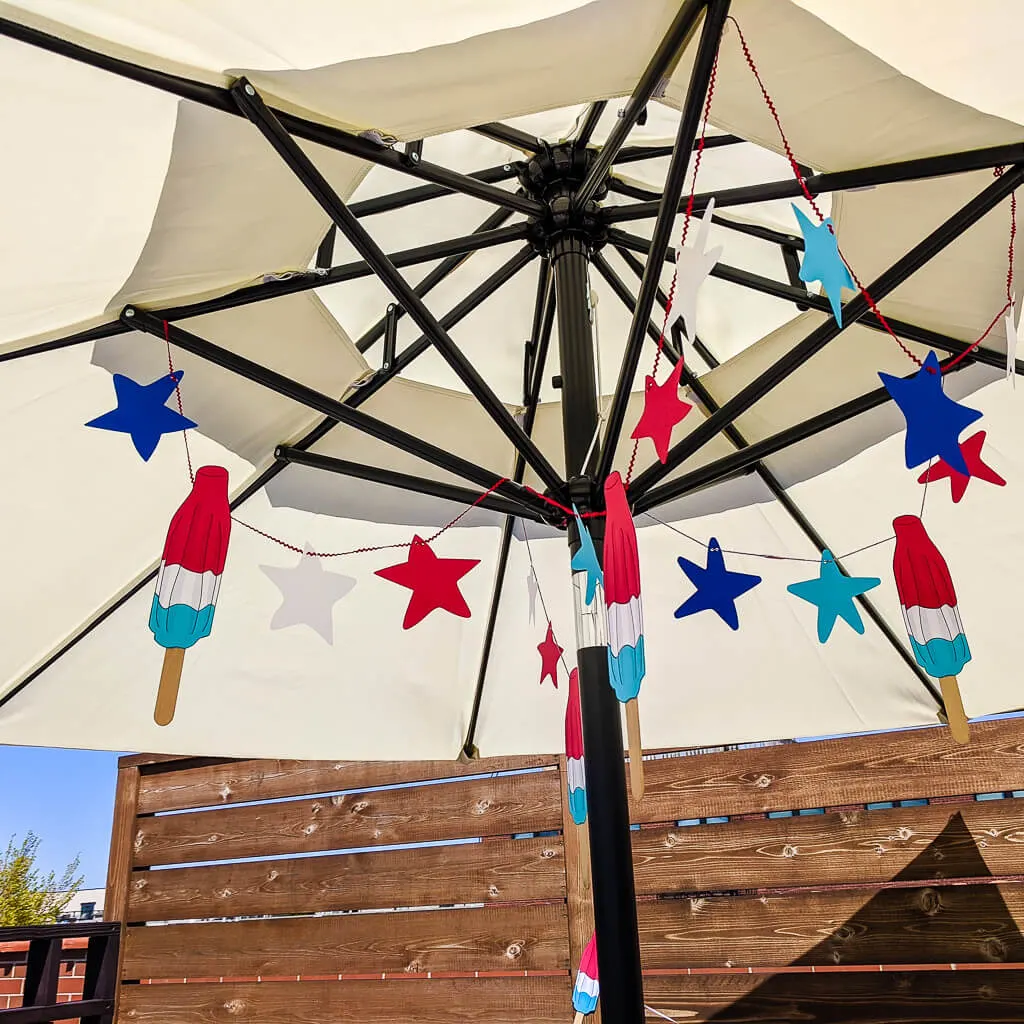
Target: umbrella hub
552,177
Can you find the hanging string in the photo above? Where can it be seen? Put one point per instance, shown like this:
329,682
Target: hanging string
872,305
762,554
177,393
540,594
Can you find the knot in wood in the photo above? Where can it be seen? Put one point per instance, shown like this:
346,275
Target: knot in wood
139,884
482,806
413,967
235,1006
224,893
789,851
514,951
337,801
310,828
763,781
672,840
994,949
224,792
272,875
548,852
317,807
929,901
140,841
986,992
493,891
360,805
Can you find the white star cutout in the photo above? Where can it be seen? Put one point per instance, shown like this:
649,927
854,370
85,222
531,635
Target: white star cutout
693,265
310,593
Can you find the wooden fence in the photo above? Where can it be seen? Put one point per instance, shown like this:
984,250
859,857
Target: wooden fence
771,886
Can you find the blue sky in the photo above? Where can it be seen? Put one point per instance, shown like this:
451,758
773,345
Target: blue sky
67,798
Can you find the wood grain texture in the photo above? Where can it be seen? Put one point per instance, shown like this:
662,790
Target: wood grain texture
463,809
966,997
832,773
516,938
437,1001
495,871
119,864
242,781
860,846
929,925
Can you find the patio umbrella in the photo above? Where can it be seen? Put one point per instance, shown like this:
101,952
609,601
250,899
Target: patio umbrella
407,269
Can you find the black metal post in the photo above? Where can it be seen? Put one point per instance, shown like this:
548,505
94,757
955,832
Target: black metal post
693,107
618,940
854,310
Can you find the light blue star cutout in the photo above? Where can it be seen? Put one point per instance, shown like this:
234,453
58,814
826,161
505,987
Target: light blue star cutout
585,560
823,263
833,593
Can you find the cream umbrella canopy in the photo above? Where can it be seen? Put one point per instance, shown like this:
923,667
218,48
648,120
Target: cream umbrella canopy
177,173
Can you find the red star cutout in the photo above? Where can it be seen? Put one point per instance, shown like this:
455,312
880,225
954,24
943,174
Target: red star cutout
550,652
971,451
434,582
663,409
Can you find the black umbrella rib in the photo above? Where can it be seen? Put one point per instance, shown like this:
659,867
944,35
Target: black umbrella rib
657,70
509,136
689,123
313,399
636,154
312,131
535,359
294,156
806,300
769,479
443,270
590,122
837,181
853,311
405,481
743,461
423,193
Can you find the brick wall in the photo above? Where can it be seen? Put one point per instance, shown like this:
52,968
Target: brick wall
12,972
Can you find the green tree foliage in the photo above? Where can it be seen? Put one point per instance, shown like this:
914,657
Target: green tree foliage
26,895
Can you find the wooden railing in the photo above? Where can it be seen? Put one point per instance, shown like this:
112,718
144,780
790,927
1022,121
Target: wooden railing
42,973
856,881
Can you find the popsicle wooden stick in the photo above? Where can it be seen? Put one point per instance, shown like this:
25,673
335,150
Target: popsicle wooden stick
636,750
584,854
170,677
955,713
578,1019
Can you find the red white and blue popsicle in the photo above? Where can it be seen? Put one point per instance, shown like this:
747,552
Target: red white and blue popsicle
575,776
189,579
626,663
587,989
928,601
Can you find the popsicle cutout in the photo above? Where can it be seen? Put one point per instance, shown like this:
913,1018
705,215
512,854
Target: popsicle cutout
587,989
626,662
977,467
717,587
822,261
434,582
549,652
142,412
934,420
188,582
929,605
575,774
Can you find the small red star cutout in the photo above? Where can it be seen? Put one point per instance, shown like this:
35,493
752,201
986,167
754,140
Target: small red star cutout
550,652
663,409
971,451
434,582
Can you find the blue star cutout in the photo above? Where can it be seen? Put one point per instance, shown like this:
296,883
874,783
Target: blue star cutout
141,412
823,263
833,593
717,587
934,420
585,560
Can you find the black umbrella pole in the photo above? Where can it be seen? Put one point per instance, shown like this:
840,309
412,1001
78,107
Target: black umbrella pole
611,856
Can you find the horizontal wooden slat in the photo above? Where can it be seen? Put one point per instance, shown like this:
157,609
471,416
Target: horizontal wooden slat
515,938
454,810
494,871
439,1001
831,773
243,781
929,925
952,841
967,997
